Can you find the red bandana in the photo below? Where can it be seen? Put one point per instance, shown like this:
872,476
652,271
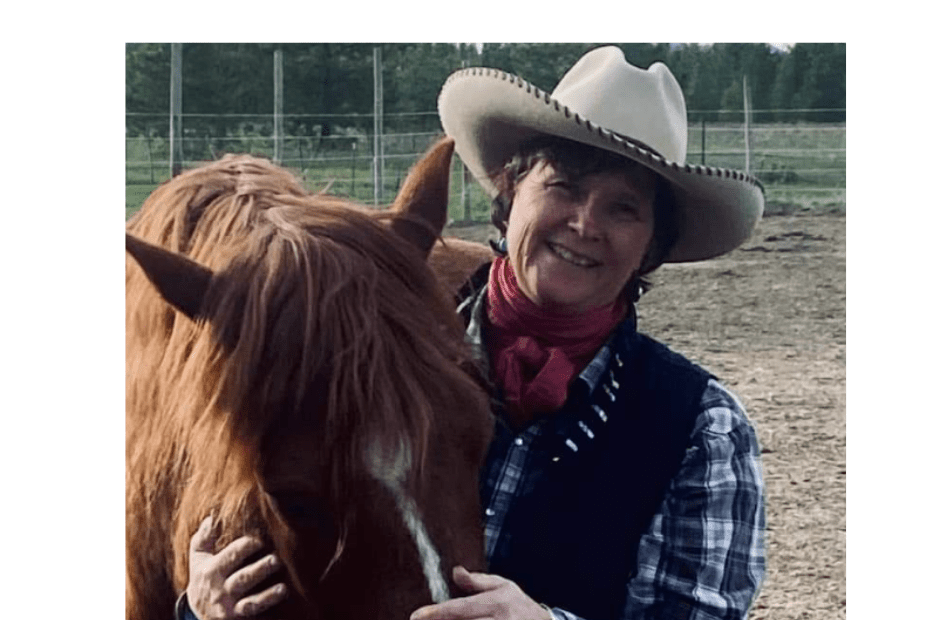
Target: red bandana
537,353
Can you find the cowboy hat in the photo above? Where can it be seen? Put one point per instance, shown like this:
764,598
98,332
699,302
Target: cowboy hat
606,102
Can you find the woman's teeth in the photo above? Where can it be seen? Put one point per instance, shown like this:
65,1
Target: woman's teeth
571,257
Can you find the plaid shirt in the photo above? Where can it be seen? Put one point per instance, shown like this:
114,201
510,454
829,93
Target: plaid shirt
716,499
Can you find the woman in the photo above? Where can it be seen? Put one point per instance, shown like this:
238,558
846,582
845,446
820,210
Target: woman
623,481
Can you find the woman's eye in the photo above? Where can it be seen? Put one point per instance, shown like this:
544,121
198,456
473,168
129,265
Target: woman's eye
560,184
627,211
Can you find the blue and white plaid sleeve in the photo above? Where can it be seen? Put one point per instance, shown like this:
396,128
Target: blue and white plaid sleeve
703,557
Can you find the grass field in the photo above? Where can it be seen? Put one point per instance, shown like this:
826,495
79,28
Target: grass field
338,181
802,166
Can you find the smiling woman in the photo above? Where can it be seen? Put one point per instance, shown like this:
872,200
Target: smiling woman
567,166
575,244
576,241
615,457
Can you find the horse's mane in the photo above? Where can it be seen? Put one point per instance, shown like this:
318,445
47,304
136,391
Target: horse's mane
305,284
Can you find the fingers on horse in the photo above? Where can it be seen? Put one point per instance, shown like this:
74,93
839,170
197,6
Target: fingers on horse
236,552
479,582
244,579
468,608
257,603
203,540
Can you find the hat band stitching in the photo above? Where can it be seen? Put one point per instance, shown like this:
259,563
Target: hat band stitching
612,136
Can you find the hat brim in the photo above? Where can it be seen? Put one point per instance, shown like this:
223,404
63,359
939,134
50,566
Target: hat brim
491,113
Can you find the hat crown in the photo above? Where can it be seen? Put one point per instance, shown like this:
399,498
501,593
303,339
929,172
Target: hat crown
643,105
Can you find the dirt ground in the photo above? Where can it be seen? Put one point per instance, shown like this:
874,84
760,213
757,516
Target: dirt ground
769,320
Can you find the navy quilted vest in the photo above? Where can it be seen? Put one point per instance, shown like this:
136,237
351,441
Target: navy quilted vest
575,533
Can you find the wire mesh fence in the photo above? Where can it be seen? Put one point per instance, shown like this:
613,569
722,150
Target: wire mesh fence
800,164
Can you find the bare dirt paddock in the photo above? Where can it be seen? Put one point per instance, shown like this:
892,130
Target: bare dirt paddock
769,321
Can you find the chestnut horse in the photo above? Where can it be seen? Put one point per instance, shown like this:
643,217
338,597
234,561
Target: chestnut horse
295,370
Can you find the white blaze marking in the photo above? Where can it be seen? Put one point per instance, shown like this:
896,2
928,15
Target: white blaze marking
391,470
430,560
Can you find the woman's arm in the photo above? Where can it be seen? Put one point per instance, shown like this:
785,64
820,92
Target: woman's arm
703,557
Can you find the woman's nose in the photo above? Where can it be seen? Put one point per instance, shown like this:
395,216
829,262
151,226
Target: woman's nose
585,221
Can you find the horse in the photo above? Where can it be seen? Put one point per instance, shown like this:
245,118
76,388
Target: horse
454,261
295,370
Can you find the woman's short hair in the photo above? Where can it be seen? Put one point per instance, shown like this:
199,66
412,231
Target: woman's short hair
577,160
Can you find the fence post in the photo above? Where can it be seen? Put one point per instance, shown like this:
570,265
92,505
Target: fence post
150,154
747,132
352,190
465,188
278,106
377,149
703,139
176,108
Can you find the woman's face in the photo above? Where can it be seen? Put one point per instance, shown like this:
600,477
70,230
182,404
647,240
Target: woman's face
575,244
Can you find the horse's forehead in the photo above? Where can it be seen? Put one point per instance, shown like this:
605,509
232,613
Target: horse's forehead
389,462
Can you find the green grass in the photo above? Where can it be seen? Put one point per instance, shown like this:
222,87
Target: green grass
782,154
135,196
798,164
340,180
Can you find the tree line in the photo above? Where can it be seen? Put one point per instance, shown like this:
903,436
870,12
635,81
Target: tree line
329,86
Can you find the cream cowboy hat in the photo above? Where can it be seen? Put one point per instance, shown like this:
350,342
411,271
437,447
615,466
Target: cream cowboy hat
606,102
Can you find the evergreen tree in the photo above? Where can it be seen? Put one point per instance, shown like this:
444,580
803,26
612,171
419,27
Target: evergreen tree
147,87
331,84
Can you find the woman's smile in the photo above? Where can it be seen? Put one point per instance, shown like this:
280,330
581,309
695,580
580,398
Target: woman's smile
570,256
575,243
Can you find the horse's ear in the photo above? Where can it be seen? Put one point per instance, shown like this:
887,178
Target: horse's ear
180,281
421,206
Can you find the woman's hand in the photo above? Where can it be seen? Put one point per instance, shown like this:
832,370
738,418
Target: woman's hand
218,582
492,596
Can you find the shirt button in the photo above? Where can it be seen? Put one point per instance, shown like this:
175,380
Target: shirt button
490,512
519,441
